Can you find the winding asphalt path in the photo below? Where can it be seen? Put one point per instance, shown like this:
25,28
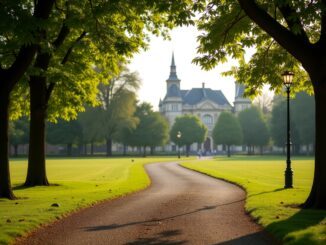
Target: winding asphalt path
180,207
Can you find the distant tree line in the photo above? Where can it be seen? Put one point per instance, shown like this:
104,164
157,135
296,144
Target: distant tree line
259,126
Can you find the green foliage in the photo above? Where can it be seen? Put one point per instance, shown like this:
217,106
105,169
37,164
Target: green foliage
228,32
77,36
254,127
118,103
303,114
279,122
191,128
64,132
152,129
19,131
227,130
272,206
91,124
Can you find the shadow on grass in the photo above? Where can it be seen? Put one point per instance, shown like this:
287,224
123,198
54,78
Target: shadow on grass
301,220
23,187
165,238
266,192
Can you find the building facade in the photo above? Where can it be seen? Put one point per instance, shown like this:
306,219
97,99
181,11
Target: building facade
205,103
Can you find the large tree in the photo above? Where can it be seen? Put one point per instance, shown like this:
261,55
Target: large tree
65,133
91,127
278,124
227,131
118,105
254,128
21,29
287,34
151,131
81,33
303,114
192,131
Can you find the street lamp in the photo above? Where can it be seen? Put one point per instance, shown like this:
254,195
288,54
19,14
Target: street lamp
179,137
287,80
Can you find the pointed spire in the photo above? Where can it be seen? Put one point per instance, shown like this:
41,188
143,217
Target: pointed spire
172,62
173,69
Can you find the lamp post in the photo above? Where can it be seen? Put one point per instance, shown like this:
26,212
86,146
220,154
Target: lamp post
179,137
287,80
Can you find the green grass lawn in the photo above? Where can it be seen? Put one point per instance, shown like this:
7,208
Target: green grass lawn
267,201
78,183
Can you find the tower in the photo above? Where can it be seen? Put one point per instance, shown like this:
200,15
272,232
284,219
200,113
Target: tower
240,102
171,106
173,82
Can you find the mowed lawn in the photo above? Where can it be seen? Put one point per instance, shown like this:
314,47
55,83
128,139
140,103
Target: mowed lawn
76,183
267,201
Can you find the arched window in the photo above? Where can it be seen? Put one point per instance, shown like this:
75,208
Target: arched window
208,119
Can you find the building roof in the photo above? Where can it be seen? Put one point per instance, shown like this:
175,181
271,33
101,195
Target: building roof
196,95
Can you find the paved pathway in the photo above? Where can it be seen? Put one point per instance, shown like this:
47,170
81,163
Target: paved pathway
180,207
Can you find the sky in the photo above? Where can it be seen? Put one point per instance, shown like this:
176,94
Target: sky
153,66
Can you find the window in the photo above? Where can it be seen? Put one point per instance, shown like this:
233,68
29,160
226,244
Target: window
174,107
208,119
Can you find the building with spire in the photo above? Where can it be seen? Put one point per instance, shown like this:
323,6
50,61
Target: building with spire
205,103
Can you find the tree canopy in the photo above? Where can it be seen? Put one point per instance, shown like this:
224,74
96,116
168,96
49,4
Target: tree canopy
227,131
254,128
151,131
286,35
192,131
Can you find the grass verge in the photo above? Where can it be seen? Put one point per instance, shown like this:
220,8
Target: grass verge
274,207
76,183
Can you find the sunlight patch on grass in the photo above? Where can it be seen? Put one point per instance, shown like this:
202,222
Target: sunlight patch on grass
267,201
78,183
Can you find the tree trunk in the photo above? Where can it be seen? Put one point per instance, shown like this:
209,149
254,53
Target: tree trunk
85,149
229,150
248,151
108,147
144,151
16,150
92,148
125,149
317,196
152,150
69,149
261,150
36,170
80,149
5,183
187,150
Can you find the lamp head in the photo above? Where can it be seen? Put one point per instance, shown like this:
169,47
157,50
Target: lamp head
287,78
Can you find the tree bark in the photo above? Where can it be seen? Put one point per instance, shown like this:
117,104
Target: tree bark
16,150
92,148
228,150
144,151
5,184
8,79
108,147
69,149
36,170
317,196
152,150
187,150
85,149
